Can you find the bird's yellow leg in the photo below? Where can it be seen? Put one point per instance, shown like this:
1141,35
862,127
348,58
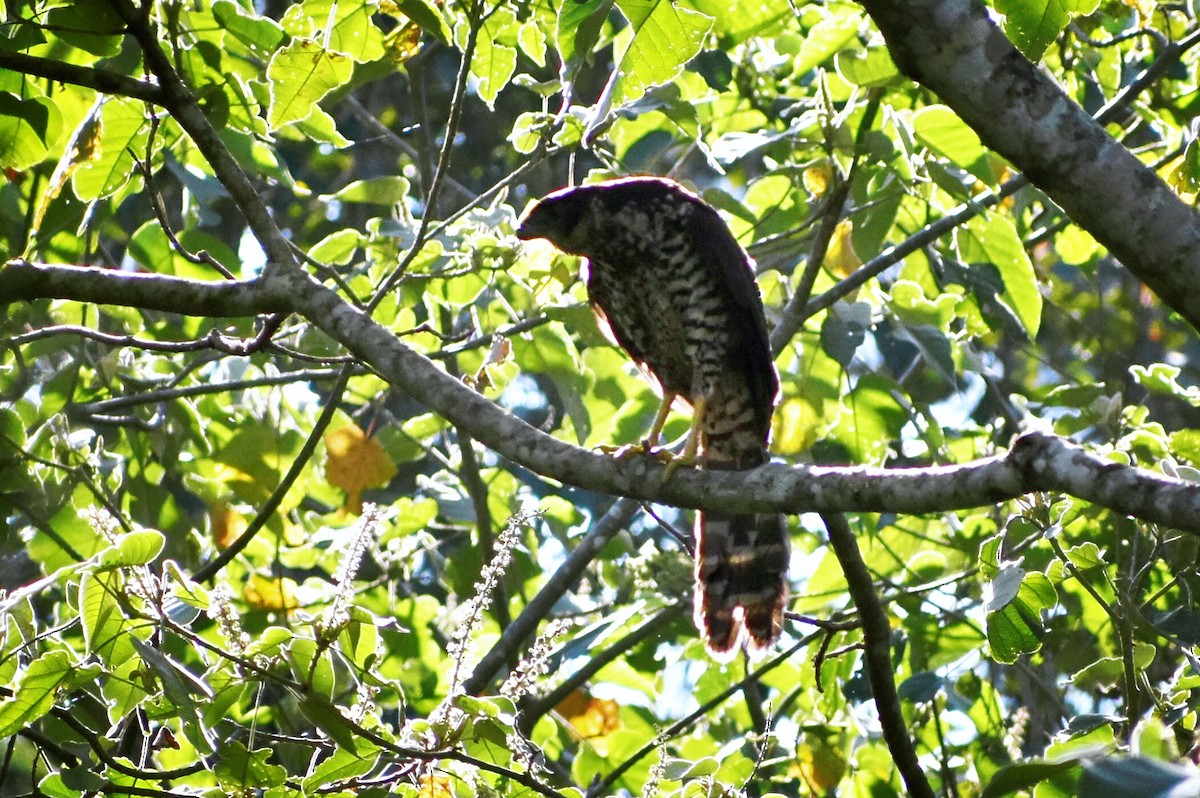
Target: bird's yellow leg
664,410
688,456
650,442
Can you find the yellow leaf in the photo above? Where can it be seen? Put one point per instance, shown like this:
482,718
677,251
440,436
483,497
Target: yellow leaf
821,763
270,593
817,178
840,258
227,524
403,42
435,786
590,717
794,427
355,462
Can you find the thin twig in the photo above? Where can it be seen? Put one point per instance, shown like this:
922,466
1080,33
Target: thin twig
200,389
794,313
332,402
443,165
102,80
603,786
534,709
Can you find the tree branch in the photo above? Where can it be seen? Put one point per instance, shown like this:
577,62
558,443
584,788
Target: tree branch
181,102
953,48
102,80
21,280
877,654
1036,462
525,624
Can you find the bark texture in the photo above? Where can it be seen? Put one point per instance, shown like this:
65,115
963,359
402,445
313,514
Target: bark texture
954,49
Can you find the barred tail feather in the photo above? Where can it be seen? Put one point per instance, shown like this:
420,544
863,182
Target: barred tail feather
741,579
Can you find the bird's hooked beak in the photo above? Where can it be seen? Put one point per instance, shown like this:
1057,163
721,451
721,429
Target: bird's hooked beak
528,228
563,224
541,221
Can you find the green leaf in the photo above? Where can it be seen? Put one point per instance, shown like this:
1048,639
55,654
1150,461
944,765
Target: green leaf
684,769
940,129
1014,624
532,40
528,130
921,687
329,719
91,25
870,419
384,190
1145,778
1034,24
844,331
994,240
321,127
1023,775
54,786
735,21
133,548
311,665
874,67
106,630
665,37
239,770
299,75
338,248
340,27
1103,674
1153,739
35,692
179,686
122,133
25,130
1161,379
1086,556
495,57
827,37
579,26
342,765
259,33
494,707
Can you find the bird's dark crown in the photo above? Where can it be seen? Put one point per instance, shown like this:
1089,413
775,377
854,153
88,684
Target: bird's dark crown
562,217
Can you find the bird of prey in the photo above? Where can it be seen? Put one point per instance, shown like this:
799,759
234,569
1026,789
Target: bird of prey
677,292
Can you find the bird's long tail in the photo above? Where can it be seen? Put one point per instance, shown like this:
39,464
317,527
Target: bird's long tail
741,578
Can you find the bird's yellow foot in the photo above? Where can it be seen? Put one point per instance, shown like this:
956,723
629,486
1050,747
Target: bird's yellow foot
649,446
629,449
685,458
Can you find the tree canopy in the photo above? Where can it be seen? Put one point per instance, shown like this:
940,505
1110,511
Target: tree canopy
306,484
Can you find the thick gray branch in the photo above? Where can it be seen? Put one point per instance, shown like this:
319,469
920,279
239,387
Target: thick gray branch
1037,462
21,280
954,49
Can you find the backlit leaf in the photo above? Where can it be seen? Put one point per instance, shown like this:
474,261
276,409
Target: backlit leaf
300,74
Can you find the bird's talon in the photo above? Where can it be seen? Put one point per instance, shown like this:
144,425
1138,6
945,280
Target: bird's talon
675,462
626,451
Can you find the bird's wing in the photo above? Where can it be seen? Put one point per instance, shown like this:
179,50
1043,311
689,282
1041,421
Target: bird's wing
729,264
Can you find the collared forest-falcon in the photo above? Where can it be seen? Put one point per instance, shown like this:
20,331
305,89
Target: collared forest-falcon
678,293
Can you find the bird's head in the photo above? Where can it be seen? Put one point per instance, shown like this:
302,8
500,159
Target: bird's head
563,218
578,219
